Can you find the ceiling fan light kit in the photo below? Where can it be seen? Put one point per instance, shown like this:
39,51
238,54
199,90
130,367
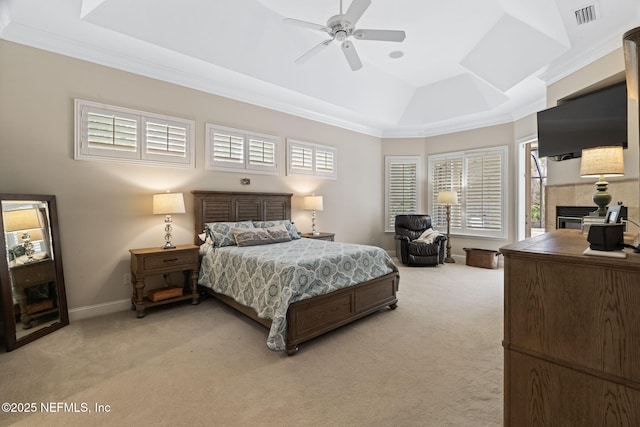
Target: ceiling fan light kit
341,27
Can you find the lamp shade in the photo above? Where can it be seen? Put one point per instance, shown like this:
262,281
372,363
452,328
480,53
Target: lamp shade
168,203
313,203
448,197
607,161
23,219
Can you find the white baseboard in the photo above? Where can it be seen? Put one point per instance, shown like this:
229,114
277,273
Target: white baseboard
99,309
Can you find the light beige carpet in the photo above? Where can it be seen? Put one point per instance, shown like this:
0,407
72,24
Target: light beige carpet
434,361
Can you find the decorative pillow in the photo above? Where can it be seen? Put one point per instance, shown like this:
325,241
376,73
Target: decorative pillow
261,236
221,234
293,231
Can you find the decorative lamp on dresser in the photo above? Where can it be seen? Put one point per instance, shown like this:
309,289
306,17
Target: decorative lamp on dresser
571,334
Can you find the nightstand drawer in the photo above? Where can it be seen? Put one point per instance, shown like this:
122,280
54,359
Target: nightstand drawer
33,273
170,260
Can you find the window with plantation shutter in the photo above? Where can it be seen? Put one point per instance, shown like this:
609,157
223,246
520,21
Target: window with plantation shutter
402,188
165,140
304,158
479,178
235,150
324,161
483,195
300,159
446,175
107,132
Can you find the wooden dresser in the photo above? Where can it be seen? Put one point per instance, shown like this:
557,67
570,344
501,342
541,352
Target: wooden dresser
571,334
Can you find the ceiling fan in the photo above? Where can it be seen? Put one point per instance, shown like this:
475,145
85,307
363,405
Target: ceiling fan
341,27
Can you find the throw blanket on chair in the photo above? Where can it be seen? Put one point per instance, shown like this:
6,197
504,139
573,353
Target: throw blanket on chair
428,236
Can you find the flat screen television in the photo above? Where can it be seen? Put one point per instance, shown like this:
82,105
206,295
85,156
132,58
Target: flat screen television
593,120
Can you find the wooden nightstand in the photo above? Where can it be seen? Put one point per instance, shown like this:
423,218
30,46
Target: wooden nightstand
157,261
32,274
321,236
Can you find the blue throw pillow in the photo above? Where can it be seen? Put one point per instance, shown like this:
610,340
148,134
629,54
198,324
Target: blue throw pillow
221,234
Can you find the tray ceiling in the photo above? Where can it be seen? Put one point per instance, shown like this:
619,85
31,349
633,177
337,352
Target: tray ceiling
463,64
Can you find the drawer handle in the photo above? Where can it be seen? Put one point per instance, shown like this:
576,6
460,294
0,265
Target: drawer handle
170,260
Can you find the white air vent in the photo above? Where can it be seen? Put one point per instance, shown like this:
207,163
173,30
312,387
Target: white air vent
585,14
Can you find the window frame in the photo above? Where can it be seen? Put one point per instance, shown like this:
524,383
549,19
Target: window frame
315,150
84,151
462,228
244,165
389,219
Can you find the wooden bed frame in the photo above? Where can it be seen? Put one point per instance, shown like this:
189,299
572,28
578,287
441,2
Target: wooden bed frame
309,318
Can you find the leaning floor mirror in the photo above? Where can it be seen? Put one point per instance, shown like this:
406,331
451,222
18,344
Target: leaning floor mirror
33,300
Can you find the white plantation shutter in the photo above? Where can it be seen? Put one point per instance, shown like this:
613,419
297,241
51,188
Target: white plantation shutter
446,176
484,192
402,181
165,140
111,132
325,161
300,159
227,148
262,154
479,178
304,158
106,132
235,150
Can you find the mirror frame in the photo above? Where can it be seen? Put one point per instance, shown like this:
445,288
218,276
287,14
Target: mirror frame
9,318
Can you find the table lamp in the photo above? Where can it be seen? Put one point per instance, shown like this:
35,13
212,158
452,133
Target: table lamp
167,204
313,203
600,162
448,198
25,221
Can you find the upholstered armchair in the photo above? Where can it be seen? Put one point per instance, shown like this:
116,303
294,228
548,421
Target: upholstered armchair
411,252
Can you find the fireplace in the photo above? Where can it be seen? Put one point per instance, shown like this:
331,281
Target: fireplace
571,216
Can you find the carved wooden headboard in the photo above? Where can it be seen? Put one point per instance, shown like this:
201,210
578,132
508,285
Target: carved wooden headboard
226,206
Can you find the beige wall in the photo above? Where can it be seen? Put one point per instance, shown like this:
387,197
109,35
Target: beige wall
105,208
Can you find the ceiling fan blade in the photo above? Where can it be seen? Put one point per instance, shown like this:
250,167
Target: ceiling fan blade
313,51
352,56
382,35
305,24
355,11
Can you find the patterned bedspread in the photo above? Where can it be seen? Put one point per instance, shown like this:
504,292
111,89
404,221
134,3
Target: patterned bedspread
268,278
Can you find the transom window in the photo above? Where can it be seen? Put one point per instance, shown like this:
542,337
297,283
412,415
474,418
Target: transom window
107,132
305,158
235,150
